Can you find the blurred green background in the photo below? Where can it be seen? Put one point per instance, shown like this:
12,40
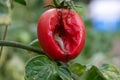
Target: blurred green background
99,48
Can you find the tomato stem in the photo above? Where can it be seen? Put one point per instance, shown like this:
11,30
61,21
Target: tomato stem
20,45
66,4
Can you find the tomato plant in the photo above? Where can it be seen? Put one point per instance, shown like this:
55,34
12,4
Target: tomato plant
61,33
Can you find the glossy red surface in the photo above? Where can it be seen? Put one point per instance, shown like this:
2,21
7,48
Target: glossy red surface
61,34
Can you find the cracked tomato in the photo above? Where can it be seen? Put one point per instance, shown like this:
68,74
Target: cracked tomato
61,34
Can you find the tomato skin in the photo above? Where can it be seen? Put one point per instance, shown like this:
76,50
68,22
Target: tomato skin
66,23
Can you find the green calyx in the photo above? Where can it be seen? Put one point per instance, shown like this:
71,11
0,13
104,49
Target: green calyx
67,4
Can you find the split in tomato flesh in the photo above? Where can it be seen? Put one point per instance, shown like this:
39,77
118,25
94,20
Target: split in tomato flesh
61,33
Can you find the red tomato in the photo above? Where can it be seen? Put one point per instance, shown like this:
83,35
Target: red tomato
61,33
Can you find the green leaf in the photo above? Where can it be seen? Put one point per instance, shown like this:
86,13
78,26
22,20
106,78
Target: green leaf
77,69
56,3
64,73
21,2
94,74
42,68
111,72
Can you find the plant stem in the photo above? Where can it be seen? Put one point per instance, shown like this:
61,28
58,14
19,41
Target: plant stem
3,38
20,45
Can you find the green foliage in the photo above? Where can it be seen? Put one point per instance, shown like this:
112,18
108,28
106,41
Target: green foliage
97,42
42,68
111,72
94,74
77,69
21,2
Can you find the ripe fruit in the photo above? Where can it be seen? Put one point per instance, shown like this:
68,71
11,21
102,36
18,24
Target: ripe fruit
61,33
